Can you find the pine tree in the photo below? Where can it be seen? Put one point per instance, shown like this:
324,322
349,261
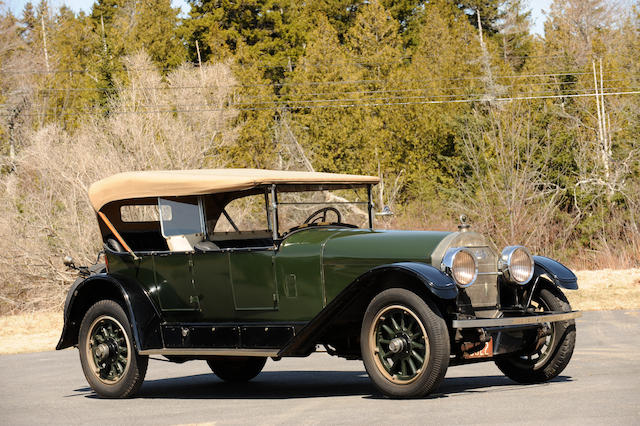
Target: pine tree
514,36
489,11
375,46
270,30
126,26
335,139
426,138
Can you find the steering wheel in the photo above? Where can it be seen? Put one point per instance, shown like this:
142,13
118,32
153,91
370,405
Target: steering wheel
323,211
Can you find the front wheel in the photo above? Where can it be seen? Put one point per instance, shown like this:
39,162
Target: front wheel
549,354
404,343
236,368
109,360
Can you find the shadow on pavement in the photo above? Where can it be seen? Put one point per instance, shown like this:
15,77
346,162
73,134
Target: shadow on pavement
301,384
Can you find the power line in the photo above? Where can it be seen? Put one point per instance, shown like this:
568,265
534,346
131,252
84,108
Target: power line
170,88
346,82
292,102
262,64
347,105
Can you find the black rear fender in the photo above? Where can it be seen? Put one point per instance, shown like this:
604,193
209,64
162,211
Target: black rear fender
141,311
352,302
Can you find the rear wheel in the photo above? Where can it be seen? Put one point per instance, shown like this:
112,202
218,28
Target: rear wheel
404,343
550,352
236,368
109,360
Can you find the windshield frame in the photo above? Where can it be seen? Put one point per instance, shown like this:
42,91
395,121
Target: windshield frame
274,189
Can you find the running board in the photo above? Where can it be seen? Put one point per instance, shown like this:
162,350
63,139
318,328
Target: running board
211,352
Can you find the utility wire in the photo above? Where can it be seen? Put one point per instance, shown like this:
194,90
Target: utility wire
346,82
297,102
170,88
347,105
271,64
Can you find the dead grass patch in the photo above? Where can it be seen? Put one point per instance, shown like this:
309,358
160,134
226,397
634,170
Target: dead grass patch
599,290
30,332
606,289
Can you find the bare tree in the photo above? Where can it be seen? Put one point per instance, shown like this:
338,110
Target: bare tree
44,209
506,191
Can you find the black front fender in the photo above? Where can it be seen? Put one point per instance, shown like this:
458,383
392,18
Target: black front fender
141,311
435,281
559,274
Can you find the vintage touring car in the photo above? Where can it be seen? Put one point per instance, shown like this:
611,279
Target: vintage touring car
234,266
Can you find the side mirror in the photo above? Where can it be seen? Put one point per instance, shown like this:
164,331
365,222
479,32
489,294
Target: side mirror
386,211
68,262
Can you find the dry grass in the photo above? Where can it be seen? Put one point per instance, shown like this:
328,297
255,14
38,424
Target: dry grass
32,332
606,289
599,290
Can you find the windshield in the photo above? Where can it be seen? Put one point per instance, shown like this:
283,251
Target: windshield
311,208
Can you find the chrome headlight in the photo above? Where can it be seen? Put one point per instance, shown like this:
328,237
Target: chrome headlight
516,264
461,265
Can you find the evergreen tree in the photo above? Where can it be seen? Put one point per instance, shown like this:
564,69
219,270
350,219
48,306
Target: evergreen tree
11,102
515,38
374,44
426,137
404,11
334,138
489,11
126,26
270,30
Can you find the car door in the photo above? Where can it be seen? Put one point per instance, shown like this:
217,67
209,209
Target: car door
241,229
176,287
180,217
252,277
211,274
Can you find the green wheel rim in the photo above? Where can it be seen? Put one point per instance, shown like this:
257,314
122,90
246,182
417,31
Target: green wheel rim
400,344
108,350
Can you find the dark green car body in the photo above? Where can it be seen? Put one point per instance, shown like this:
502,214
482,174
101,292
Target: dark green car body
191,290
292,282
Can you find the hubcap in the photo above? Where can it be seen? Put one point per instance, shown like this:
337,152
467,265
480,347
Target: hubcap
102,351
397,345
400,344
108,349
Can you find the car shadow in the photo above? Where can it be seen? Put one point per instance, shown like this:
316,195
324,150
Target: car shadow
302,384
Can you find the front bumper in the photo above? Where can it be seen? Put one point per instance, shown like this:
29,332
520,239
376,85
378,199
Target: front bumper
516,321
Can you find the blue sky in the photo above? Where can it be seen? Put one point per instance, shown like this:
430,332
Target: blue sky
537,6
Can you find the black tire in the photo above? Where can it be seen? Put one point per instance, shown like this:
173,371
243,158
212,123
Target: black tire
547,358
108,355
394,324
236,368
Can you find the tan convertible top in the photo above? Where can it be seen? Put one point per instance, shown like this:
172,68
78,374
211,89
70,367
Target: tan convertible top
171,183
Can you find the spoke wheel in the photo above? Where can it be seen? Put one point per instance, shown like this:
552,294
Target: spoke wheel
109,360
108,349
542,348
404,343
550,351
399,341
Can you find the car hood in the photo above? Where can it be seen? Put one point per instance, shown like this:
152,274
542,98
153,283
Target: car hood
381,246
374,247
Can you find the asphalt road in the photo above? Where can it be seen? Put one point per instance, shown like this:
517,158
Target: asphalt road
600,386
